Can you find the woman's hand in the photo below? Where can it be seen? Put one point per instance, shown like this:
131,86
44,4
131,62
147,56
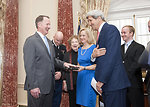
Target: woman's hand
80,68
64,85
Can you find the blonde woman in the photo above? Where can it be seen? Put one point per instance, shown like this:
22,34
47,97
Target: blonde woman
86,96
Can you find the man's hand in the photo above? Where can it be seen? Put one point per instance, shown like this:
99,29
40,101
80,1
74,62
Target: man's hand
35,92
98,52
57,75
67,65
99,86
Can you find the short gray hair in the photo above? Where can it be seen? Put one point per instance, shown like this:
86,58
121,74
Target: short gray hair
95,14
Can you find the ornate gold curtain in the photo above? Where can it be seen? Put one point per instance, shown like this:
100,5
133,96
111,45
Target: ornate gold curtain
87,5
2,16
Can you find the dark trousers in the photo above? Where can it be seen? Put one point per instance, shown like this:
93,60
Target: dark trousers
114,98
135,97
45,100
72,98
57,93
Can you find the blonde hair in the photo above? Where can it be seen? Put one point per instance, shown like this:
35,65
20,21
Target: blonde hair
89,34
131,28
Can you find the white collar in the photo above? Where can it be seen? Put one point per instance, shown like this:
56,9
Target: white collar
41,35
129,42
55,44
100,28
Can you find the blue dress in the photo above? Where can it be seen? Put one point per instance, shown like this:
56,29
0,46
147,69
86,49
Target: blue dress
86,95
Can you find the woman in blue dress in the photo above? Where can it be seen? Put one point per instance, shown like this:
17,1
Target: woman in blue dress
86,95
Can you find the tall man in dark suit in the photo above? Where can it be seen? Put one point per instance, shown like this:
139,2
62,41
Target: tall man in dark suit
110,73
40,62
147,66
60,49
131,51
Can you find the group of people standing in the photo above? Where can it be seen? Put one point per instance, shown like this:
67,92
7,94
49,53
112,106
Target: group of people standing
115,67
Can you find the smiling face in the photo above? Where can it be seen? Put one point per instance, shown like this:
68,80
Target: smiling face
75,44
126,34
83,37
94,23
44,26
58,38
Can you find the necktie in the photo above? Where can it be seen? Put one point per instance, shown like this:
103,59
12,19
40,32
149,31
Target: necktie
46,43
97,35
126,47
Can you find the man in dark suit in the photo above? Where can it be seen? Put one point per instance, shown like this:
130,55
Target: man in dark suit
39,62
147,66
110,73
60,49
131,51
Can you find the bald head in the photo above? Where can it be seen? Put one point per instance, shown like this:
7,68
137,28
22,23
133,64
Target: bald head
149,25
58,38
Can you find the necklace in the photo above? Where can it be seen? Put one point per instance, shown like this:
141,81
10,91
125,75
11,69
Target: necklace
83,52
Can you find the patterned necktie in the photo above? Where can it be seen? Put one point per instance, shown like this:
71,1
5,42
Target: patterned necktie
47,45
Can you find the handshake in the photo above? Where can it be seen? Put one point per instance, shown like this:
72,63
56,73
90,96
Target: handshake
73,68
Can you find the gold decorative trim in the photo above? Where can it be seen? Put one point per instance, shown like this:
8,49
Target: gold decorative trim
20,85
87,5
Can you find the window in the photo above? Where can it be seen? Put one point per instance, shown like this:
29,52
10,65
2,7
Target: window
140,24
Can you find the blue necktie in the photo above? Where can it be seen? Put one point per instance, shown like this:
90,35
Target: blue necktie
47,45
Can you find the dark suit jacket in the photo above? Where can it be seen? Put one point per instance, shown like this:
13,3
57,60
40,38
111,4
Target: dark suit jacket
110,69
74,56
39,65
59,54
130,59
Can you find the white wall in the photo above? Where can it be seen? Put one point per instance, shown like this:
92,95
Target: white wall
28,11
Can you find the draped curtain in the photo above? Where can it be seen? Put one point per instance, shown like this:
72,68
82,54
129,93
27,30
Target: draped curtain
87,5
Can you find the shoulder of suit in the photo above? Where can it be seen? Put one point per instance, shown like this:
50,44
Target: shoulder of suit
110,27
32,37
138,44
148,43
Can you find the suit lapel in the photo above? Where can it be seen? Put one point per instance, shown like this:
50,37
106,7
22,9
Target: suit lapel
101,35
42,43
51,48
130,48
122,51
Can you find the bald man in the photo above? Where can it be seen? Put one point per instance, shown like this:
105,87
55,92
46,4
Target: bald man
60,49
